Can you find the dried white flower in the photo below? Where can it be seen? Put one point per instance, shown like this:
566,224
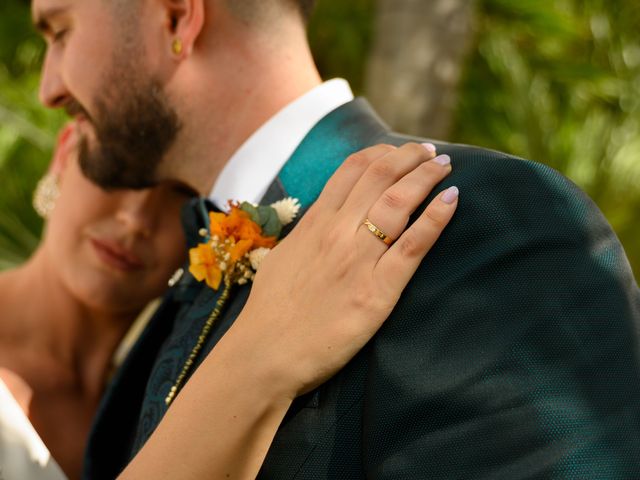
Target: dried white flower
287,209
257,256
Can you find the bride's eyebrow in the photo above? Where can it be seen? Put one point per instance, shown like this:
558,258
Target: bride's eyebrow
42,19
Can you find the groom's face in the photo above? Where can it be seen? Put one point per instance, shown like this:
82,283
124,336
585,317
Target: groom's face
95,69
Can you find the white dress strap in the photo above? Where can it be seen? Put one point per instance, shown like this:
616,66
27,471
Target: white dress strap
23,454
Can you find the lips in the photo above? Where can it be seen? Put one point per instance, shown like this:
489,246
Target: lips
116,257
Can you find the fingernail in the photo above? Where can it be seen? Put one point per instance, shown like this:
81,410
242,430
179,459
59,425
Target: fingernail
443,160
431,148
450,195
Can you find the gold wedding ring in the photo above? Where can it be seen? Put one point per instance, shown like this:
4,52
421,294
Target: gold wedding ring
378,233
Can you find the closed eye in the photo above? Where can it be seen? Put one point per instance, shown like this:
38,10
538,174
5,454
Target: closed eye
46,20
59,36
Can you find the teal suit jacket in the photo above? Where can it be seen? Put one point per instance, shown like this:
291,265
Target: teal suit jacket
512,354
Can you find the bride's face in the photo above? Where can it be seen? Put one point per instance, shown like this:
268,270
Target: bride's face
114,251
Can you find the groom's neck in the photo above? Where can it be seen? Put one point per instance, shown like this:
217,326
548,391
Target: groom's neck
232,91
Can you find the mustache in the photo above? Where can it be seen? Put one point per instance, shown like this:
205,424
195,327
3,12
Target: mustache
74,109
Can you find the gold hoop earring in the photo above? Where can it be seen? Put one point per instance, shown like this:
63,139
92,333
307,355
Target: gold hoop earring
176,46
46,194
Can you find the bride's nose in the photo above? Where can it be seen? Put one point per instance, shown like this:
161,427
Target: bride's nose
136,212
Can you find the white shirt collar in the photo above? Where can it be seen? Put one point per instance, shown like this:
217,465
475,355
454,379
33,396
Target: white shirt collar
251,170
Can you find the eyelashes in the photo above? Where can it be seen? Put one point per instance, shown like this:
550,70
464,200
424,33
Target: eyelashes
59,36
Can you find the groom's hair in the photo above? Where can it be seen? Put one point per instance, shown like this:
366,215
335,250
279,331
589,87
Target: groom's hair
257,10
248,10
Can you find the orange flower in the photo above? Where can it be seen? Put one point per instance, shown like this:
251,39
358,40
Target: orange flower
216,225
233,236
264,242
239,226
204,265
238,250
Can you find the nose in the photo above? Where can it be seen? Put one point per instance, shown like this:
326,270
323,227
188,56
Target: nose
137,212
53,92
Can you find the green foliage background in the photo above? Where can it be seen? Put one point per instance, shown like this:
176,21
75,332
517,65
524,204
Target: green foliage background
27,132
557,81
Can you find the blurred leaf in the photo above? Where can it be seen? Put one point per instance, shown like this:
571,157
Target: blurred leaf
340,34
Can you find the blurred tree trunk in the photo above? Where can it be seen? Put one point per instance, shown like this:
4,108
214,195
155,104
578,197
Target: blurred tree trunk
416,61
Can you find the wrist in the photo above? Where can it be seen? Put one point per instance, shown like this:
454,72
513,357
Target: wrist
256,356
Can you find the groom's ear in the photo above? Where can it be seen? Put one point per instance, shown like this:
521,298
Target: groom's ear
184,24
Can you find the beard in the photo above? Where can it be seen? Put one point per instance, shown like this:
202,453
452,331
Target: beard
134,126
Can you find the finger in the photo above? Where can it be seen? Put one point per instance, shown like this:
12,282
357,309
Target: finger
383,173
396,267
345,177
392,210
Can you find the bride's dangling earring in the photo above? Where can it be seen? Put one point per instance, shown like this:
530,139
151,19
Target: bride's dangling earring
46,194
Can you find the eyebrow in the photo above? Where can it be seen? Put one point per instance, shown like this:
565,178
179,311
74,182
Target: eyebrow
41,19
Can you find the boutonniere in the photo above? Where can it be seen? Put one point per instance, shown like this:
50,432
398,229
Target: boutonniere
233,246
235,243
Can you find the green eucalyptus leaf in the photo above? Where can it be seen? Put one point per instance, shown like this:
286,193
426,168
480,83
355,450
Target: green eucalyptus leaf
270,223
252,211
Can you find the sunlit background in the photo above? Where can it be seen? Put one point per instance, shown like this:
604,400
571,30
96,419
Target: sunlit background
556,81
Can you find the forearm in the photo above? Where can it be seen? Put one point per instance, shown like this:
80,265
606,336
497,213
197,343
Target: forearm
222,423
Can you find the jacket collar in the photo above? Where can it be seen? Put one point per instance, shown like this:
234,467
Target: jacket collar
342,132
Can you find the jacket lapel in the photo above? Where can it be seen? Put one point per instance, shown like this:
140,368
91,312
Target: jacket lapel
339,134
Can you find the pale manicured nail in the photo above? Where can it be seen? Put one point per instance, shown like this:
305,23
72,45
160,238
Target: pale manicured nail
443,160
450,195
431,148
